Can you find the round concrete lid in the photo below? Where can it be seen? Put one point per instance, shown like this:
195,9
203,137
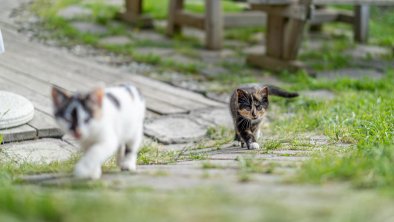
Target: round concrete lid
15,110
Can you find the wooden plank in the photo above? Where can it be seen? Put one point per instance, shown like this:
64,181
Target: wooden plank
213,24
32,92
174,6
45,125
18,77
194,20
182,93
40,102
69,71
293,38
134,7
57,77
20,133
275,35
251,19
323,16
346,17
361,14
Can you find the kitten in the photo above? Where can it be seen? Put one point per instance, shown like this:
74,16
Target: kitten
104,121
248,104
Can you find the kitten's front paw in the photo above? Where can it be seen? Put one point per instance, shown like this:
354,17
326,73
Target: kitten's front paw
83,172
254,146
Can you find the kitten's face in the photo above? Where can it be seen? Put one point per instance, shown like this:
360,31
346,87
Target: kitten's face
252,105
76,113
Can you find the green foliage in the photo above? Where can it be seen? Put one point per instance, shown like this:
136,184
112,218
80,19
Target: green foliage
272,144
150,153
158,9
361,114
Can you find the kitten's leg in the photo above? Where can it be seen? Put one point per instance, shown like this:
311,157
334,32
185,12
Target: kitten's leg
129,162
89,166
238,140
120,154
249,139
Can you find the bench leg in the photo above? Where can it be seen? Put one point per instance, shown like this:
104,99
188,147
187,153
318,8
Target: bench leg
174,7
293,39
134,7
213,24
275,35
361,13
133,14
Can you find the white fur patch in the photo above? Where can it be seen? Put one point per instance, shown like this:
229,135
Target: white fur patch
254,146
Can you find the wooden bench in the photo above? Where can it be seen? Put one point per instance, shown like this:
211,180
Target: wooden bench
286,21
212,22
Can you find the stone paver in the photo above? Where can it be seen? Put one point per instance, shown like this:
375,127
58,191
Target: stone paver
37,151
74,11
150,36
211,71
175,129
260,49
215,117
162,52
115,40
86,27
369,51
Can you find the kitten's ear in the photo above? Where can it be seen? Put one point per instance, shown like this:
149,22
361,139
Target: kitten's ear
97,95
263,91
59,96
241,93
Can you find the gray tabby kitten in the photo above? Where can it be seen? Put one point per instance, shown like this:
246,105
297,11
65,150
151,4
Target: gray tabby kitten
248,104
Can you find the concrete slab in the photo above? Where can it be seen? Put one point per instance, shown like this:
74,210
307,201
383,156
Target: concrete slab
87,27
175,129
74,11
37,151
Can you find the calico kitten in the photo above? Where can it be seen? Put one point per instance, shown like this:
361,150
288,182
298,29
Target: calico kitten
105,121
248,105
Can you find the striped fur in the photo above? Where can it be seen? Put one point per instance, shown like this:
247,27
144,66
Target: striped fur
105,121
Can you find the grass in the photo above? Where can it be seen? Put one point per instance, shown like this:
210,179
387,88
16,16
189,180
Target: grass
361,115
272,144
158,9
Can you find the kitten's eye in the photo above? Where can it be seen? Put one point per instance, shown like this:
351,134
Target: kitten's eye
248,108
259,107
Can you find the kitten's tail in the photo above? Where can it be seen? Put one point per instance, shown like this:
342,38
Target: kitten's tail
274,90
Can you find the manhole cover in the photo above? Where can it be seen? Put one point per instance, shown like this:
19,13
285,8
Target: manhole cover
15,110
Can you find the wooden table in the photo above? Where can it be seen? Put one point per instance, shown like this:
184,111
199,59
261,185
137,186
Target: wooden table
285,27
